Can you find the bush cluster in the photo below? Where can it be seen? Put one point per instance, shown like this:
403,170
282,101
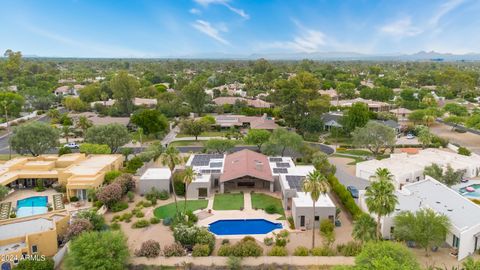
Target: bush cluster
119,206
278,251
200,250
191,236
174,250
149,249
247,247
141,223
351,248
345,197
301,251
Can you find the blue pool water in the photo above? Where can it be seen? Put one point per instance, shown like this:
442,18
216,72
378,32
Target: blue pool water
32,206
475,194
243,226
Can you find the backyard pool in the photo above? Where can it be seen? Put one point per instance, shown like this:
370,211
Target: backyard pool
472,191
32,206
243,226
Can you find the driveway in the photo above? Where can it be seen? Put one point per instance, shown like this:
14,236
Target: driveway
346,173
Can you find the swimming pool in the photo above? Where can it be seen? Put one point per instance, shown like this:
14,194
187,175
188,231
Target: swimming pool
32,206
243,226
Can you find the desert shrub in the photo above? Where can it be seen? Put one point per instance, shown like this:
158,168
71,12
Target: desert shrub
115,226
281,238
130,196
190,236
200,250
77,227
141,223
127,182
268,241
225,241
464,151
291,222
126,216
119,206
98,221
234,263
301,251
322,251
189,220
110,194
149,249
244,248
154,220
64,150
278,251
174,250
167,221
327,231
139,214
270,209
351,248
163,195
110,176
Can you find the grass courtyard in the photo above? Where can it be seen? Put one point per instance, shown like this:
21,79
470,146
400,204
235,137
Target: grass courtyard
168,210
262,201
228,201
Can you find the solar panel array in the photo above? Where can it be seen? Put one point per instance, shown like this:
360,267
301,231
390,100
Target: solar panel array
275,159
283,165
280,170
295,181
204,160
216,165
210,171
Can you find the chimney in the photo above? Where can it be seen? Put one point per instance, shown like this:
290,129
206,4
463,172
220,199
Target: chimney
259,166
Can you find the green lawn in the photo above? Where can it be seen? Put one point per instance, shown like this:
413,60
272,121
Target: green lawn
186,143
357,152
168,210
228,201
261,201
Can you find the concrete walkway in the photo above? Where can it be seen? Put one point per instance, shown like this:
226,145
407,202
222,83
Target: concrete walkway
247,201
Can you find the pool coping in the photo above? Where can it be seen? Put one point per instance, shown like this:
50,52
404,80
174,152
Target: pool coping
244,219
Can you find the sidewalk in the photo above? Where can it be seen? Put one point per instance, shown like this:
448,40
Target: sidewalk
247,201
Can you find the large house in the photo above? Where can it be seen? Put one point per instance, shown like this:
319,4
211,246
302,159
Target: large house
247,169
376,106
464,215
255,103
77,172
407,168
242,121
334,120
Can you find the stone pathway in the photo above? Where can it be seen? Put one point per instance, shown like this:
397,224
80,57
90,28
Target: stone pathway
247,201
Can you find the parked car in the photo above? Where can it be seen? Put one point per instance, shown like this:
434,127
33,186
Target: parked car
353,191
410,136
71,145
464,180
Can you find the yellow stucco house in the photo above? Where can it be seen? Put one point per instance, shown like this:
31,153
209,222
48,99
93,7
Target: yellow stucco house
31,236
76,171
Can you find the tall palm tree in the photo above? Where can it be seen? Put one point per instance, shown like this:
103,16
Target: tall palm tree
66,129
188,177
171,158
364,228
383,174
381,199
316,184
84,123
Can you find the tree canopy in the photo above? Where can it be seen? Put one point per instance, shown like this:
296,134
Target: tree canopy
151,121
113,135
374,136
34,138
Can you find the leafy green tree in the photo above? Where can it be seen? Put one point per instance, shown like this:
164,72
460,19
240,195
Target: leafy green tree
12,67
427,228
321,163
84,123
151,121
464,151
114,135
110,252
374,136
377,93
97,220
364,228
280,140
434,171
416,116
346,90
455,120
385,255
195,95
193,127
11,104
456,109
34,138
219,146
473,121
471,264
27,264
91,148
74,104
124,88
257,137
424,135
381,199
357,116
316,184
452,177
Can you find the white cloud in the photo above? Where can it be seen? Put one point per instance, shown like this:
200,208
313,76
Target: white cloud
307,41
195,11
444,9
206,28
401,28
225,3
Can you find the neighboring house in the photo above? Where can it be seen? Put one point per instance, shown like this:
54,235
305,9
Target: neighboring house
332,119
401,113
464,215
63,81
376,106
68,90
76,171
101,120
408,168
155,178
107,103
31,236
253,122
391,124
249,169
255,103
233,89
147,102
332,93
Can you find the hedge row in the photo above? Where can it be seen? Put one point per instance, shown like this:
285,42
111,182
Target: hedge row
345,197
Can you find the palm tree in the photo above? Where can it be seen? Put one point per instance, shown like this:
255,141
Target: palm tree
316,184
66,129
171,158
383,174
364,228
381,199
188,177
84,123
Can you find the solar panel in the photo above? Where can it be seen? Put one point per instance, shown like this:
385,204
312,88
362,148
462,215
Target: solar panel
216,165
295,181
280,170
283,165
209,171
275,159
204,159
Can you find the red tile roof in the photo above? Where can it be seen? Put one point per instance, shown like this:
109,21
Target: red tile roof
246,163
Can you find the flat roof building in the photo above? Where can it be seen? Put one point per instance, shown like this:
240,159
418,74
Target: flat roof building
155,178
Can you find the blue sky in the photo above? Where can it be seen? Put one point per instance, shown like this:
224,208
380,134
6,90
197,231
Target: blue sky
163,28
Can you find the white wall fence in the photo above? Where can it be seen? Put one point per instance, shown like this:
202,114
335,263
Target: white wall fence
23,118
58,258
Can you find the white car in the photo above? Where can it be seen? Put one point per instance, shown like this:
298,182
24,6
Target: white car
71,145
410,136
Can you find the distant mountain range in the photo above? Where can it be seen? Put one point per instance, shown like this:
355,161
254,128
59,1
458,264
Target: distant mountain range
325,56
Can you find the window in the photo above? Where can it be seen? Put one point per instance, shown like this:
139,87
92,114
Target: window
392,229
317,218
34,249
